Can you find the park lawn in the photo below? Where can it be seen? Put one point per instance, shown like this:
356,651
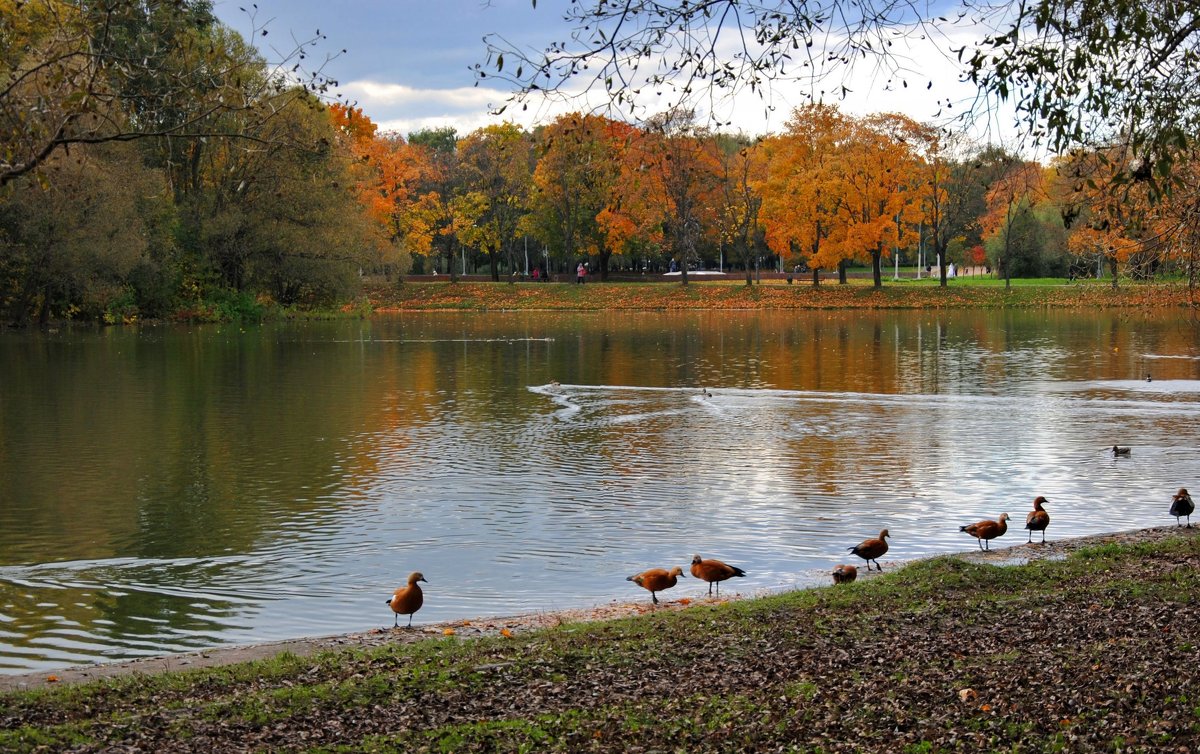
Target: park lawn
731,295
1093,652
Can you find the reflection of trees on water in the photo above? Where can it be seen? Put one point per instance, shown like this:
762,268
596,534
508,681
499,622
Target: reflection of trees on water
173,445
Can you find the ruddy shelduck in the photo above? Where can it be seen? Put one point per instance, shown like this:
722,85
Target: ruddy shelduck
844,574
986,530
1182,505
407,599
1122,452
870,549
656,580
714,572
1037,519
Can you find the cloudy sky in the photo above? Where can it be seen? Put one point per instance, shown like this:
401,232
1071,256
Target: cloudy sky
407,63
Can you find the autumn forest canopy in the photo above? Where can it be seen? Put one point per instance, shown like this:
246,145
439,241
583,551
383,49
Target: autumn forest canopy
154,164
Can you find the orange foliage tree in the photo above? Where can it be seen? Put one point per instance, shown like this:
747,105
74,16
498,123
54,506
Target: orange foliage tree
633,217
802,188
877,174
1113,216
389,177
685,169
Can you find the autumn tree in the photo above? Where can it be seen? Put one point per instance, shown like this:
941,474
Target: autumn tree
574,181
280,219
391,178
1176,223
947,190
684,158
802,188
876,178
1109,223
86,73
738,218
496,164
1010,202
435,208
635,214
1081,73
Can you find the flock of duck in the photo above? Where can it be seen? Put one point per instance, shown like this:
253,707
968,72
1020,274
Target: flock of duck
408,599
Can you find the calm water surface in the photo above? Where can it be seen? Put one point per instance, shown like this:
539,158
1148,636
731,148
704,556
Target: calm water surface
175,488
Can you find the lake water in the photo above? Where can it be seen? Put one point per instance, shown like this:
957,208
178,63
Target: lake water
167,489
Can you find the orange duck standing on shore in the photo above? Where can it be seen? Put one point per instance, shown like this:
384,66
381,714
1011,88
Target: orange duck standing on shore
656,580
1037,519
986,530
714,572
407,599
870,549
1182,505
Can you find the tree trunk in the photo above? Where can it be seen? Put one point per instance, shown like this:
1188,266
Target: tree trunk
876,267
450,260
842,272
816,277
604,256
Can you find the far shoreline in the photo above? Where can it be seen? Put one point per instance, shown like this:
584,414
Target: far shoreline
528,622
400,296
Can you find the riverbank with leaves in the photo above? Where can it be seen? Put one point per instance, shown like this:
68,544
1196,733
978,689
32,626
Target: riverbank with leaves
1093,651
474,296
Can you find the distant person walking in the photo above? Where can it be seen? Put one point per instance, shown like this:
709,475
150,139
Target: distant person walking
580,273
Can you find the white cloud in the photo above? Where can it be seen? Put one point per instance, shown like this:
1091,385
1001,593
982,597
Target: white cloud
935,92
384,95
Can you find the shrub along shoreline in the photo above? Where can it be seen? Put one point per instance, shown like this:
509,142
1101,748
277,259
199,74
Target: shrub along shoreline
1091,652
476,296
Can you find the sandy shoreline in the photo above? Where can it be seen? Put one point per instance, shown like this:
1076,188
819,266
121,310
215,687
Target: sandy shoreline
219,656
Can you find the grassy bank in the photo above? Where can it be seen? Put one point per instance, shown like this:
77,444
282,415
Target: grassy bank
1096,652
475,296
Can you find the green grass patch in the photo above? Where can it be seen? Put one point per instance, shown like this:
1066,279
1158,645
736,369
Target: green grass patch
856,662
